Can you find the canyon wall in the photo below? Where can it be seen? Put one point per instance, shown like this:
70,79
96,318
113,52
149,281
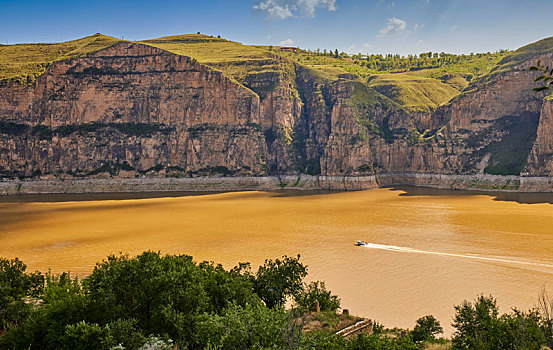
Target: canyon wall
126,110
134,111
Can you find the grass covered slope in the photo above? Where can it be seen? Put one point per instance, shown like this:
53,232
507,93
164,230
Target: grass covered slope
232,58
417,83
525,53
414,93
207,49
25,62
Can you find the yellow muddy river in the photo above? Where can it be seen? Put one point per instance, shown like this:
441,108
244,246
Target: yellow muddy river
428,251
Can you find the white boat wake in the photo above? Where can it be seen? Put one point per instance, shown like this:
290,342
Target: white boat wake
519,263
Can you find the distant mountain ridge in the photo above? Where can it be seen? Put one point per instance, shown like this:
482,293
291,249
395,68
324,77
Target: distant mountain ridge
195,105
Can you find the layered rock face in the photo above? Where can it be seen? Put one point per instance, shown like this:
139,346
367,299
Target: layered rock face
540,162
490,128
132,110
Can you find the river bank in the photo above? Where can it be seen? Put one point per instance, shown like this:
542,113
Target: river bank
270,183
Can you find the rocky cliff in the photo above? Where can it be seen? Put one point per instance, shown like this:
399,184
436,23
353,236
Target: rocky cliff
126,110
135,109
540,161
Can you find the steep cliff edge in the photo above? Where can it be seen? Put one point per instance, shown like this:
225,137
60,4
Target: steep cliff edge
189,106
540,161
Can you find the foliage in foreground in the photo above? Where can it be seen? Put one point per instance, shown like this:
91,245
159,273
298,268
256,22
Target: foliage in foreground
127,301
171,302
479,326
545,76
426,328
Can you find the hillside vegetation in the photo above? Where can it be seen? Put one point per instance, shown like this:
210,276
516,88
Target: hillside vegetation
232,58
418,83
25,62
415,93
524,53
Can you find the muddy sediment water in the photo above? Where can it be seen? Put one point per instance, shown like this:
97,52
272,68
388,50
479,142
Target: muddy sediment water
428,249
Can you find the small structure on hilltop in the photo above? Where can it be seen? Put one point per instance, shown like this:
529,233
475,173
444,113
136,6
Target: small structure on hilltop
289,49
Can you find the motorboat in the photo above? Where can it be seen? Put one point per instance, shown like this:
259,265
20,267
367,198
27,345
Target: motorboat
361,243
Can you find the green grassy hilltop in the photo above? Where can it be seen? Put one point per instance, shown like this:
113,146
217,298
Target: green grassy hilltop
419,83
25,62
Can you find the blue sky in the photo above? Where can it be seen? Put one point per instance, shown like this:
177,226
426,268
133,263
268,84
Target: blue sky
369,26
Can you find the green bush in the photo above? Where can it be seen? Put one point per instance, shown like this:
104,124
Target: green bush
387,342
278,279
479,326
253,326
157,343
164,294
15,286
316,291
426,328
323,341
84,336
63,303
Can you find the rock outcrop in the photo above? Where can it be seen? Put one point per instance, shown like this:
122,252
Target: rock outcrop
540,162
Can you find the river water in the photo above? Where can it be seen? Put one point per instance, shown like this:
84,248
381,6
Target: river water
428,249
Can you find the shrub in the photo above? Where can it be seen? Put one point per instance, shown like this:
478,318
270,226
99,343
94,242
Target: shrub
277,280
479,326
426,328
316,291
63,303
83,336
379,342
253,326
323,341
164,294
15,286
476,324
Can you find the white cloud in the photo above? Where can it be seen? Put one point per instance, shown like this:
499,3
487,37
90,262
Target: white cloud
274,11
351,48
421,41
367,45
281,9
287,42
418,26
389,4
394,25
453,27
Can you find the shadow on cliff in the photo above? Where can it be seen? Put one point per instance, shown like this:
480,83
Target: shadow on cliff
518,197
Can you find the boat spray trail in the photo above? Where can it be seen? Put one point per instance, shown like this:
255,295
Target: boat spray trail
539,266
